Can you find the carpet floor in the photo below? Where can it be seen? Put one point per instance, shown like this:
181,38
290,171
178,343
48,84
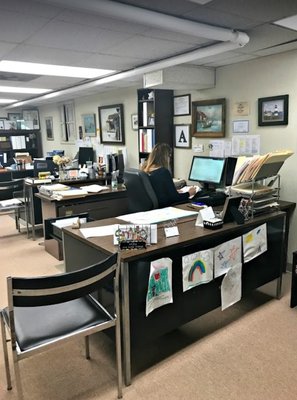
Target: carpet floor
247,352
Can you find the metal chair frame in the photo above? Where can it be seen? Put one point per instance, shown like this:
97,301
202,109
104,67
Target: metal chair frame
44,292
14,188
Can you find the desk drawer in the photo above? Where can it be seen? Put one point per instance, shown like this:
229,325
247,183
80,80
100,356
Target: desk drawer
98,209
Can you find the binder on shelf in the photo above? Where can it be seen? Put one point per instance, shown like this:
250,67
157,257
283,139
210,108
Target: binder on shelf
144,113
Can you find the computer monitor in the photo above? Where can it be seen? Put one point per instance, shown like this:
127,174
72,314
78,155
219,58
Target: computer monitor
85,154
44,166
207,170
229,169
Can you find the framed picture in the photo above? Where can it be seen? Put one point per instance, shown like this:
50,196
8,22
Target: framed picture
181,105
134,122
2,125
67,121
240,126
33,116
111,122
208,118
49,128
273,110
182,136
15,116
89,124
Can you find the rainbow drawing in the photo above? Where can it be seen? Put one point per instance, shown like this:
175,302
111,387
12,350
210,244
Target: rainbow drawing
200,266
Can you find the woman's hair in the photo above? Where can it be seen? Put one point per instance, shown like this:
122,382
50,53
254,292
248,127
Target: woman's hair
159,157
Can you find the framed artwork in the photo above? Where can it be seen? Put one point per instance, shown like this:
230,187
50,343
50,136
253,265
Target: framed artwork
49,128
89,124
111,123
134,122
182,136
32,116
240,126
67,118
273,110
181,105
208,118
15,116
241,108
2,125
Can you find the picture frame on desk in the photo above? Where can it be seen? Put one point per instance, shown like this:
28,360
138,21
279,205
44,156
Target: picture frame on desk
182,105
182,136
273,110
111,123
208,118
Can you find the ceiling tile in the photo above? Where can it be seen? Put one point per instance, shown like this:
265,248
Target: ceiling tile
23,26
62,35
149,47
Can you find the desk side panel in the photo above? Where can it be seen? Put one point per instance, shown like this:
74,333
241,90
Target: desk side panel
200,299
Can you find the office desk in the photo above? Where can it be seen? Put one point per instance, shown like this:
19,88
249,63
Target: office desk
135,268
33,202
98,205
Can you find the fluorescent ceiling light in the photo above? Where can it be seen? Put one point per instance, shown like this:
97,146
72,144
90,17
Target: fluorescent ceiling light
201,1
290,22
16,89
52,70
7,101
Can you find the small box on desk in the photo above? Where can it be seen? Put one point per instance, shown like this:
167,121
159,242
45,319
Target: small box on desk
214,224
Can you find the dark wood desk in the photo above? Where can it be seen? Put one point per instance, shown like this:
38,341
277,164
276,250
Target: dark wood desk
98,205
139,329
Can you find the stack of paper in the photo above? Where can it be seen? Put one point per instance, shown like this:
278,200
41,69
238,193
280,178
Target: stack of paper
94,188
10,202
251,167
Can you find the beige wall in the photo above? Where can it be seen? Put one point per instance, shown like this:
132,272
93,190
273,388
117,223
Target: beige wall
269,76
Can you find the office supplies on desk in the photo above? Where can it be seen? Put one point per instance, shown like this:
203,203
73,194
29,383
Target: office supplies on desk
209,198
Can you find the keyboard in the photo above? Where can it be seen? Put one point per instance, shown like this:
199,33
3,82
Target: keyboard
210,198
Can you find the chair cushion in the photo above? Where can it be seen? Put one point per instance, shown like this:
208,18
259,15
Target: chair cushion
37,325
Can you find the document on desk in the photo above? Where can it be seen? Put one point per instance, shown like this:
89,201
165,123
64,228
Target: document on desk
94,188
98,231
156,216
61,223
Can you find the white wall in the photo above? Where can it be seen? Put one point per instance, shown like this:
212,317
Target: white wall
89,105
248,81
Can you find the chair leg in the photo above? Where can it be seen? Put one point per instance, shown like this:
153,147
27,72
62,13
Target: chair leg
5,352
17,375
87,346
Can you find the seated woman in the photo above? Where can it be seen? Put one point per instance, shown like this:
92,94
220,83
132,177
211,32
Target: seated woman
157,167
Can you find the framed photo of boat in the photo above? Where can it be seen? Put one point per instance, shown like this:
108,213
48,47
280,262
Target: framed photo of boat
208,118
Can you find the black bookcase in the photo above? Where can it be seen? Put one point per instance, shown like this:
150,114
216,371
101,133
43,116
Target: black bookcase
19,141
155,120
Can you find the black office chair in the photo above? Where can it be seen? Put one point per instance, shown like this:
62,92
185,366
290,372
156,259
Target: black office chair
45,311
12,199
141,195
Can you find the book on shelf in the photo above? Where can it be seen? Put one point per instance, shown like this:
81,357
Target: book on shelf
144,114
146,140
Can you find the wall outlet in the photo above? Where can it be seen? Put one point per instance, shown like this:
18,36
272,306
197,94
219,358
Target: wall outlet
198,148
